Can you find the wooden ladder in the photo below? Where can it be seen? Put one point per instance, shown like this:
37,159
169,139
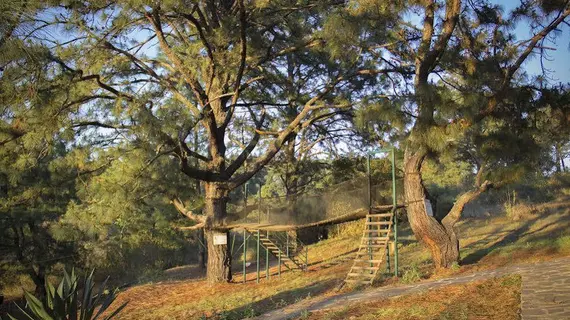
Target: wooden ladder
372,248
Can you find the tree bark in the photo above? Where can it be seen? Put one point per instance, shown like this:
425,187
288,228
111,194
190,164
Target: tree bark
442,242
439,236
201,249
219,256
201,238
559,161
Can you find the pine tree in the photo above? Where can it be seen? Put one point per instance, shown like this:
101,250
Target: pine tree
456,77
150,75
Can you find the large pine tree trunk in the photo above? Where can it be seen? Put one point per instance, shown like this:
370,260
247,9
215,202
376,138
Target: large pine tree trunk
201,249
559,161
219,256
201,239
441,241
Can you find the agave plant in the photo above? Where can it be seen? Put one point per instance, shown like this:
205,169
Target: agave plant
66,303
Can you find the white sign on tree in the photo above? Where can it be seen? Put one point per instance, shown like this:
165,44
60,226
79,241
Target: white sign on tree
220,238
429,209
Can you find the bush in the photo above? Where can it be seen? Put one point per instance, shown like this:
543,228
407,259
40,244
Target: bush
510,205
64,303
411,274
346,230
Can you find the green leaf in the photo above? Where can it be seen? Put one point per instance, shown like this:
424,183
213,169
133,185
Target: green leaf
35,305
119,309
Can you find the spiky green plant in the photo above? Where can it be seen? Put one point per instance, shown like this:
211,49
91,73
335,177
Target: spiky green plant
66,303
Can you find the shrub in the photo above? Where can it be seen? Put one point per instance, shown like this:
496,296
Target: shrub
510,205
65,303
411,274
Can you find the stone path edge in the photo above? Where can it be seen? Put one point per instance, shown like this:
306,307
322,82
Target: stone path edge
545,291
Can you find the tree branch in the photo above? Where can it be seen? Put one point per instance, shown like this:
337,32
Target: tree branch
187,75
237,163
188,213
457,210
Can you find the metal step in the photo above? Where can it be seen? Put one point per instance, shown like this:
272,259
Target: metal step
277,252
368,261
373,244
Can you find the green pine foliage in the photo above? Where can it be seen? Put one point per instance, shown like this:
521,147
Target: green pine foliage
110,111
122,218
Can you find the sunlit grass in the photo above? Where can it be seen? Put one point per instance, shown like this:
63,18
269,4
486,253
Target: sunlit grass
485,243
476,300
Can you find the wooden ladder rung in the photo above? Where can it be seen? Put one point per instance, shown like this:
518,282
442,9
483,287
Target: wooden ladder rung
369,253
373,246
365,275
376,231
379,215
358,281
366,268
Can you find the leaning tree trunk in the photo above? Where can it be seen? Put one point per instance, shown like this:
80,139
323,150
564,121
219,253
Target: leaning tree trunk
219,256
441,241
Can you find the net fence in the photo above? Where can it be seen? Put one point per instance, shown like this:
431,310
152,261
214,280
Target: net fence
315,205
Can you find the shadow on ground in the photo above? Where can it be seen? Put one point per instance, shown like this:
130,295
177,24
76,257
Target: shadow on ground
530,230
279,300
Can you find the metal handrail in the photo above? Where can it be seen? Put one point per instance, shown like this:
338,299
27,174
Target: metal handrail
292,249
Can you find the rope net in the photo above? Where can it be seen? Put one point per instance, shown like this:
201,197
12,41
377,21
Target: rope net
314,206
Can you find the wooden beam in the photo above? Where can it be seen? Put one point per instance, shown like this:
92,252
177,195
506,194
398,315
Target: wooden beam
352,216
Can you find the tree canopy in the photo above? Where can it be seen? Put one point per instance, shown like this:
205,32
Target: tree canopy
119,118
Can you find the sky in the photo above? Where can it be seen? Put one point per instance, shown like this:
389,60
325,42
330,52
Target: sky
559,64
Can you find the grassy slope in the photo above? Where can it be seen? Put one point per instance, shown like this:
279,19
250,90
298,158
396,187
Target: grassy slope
477,300
486,243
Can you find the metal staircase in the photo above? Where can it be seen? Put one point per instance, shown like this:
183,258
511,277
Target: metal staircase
372,249
291,252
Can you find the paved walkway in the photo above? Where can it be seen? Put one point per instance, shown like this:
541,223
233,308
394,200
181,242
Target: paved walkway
545,292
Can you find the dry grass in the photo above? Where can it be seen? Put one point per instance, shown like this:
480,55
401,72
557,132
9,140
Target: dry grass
477,300
489,243
543,234
195,299
486,243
